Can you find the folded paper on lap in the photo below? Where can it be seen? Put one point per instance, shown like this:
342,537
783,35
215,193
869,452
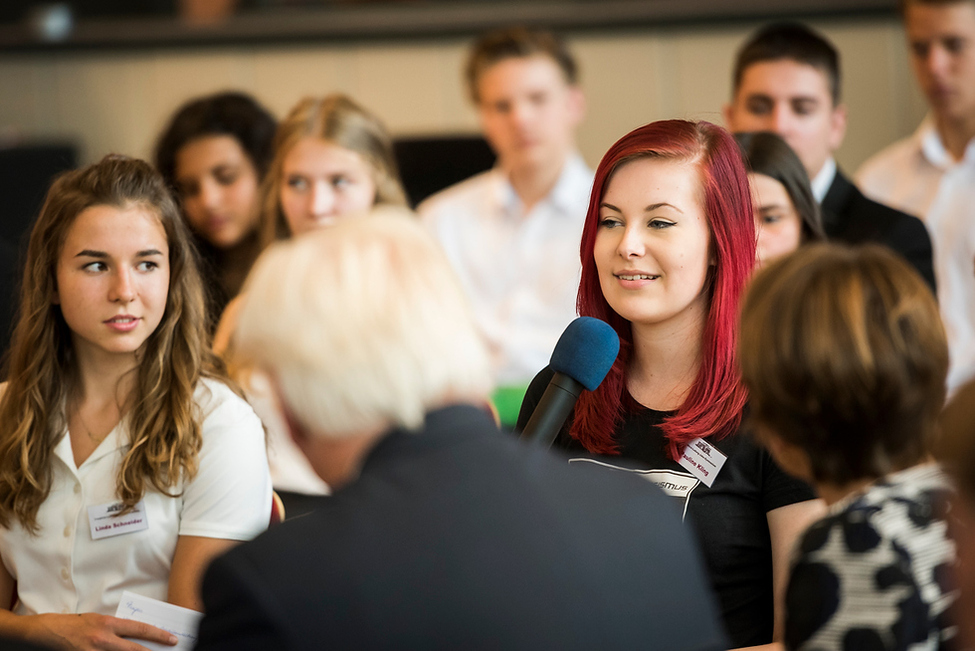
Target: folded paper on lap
181,622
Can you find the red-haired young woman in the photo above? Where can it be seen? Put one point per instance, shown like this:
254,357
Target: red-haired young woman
668,246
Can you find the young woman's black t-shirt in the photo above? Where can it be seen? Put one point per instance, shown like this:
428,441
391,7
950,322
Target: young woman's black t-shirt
729,517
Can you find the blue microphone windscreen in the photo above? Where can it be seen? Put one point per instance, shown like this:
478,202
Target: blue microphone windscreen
586,351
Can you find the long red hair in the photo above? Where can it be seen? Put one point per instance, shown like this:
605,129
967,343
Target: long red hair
713,406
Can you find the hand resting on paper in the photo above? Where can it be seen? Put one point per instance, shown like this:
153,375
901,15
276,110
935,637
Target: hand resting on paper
85,632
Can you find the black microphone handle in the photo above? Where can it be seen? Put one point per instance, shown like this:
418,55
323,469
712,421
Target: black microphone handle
555,406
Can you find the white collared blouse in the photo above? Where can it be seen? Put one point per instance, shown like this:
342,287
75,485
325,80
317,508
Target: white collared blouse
65,570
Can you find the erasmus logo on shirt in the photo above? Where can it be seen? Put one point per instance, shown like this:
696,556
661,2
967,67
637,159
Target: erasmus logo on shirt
673,483
107,520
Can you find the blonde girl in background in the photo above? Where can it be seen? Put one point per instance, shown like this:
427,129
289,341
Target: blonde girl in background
332,159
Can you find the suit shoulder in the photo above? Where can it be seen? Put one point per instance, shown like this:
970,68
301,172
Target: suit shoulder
887,212
241,615
899,230
849,202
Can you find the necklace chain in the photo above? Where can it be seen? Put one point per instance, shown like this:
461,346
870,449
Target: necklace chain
95,439
88,432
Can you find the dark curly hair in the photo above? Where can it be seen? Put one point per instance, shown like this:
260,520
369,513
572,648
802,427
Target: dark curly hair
231,114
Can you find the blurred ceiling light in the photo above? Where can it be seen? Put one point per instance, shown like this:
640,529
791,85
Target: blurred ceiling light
51,22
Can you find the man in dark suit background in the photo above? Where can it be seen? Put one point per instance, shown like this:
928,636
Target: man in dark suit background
787,80
441,532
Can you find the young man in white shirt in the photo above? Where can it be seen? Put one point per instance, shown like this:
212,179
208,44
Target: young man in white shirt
787,80
513,232
932,172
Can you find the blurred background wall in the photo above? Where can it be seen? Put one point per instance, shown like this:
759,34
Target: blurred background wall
118,100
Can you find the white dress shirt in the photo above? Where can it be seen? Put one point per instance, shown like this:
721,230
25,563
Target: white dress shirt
823,180
919,176
521,270
64,570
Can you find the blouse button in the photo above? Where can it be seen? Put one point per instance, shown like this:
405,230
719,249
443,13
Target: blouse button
65,574
67,532
77,488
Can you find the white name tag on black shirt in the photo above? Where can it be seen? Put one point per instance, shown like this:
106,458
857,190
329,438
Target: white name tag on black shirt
702,460
105,519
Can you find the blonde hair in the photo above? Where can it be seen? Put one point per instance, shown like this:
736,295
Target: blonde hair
339,120
362,325
163,423
844,356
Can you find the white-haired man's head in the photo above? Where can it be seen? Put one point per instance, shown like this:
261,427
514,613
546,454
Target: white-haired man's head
362,326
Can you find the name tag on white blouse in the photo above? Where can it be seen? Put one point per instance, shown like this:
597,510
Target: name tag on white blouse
703,460
107,520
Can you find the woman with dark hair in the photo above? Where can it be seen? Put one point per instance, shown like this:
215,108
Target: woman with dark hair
845,358
214,155
126,460
667,248
785,210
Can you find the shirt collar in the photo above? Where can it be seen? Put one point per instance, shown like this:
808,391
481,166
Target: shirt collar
925,475
109,444
933,150
823,180
564,195
930,145
503,193
440,426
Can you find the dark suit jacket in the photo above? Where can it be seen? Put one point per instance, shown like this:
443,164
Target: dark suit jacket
849,216
460,537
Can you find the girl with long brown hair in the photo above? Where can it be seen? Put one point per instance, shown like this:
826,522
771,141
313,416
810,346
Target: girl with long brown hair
126,461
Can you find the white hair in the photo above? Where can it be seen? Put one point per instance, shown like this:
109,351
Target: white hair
362,325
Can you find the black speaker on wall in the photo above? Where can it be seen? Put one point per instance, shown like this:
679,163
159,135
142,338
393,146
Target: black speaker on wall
25,174
430,164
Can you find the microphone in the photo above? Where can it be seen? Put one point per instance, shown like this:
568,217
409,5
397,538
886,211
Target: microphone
581,359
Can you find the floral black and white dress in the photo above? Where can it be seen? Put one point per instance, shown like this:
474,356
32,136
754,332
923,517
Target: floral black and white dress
875,573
